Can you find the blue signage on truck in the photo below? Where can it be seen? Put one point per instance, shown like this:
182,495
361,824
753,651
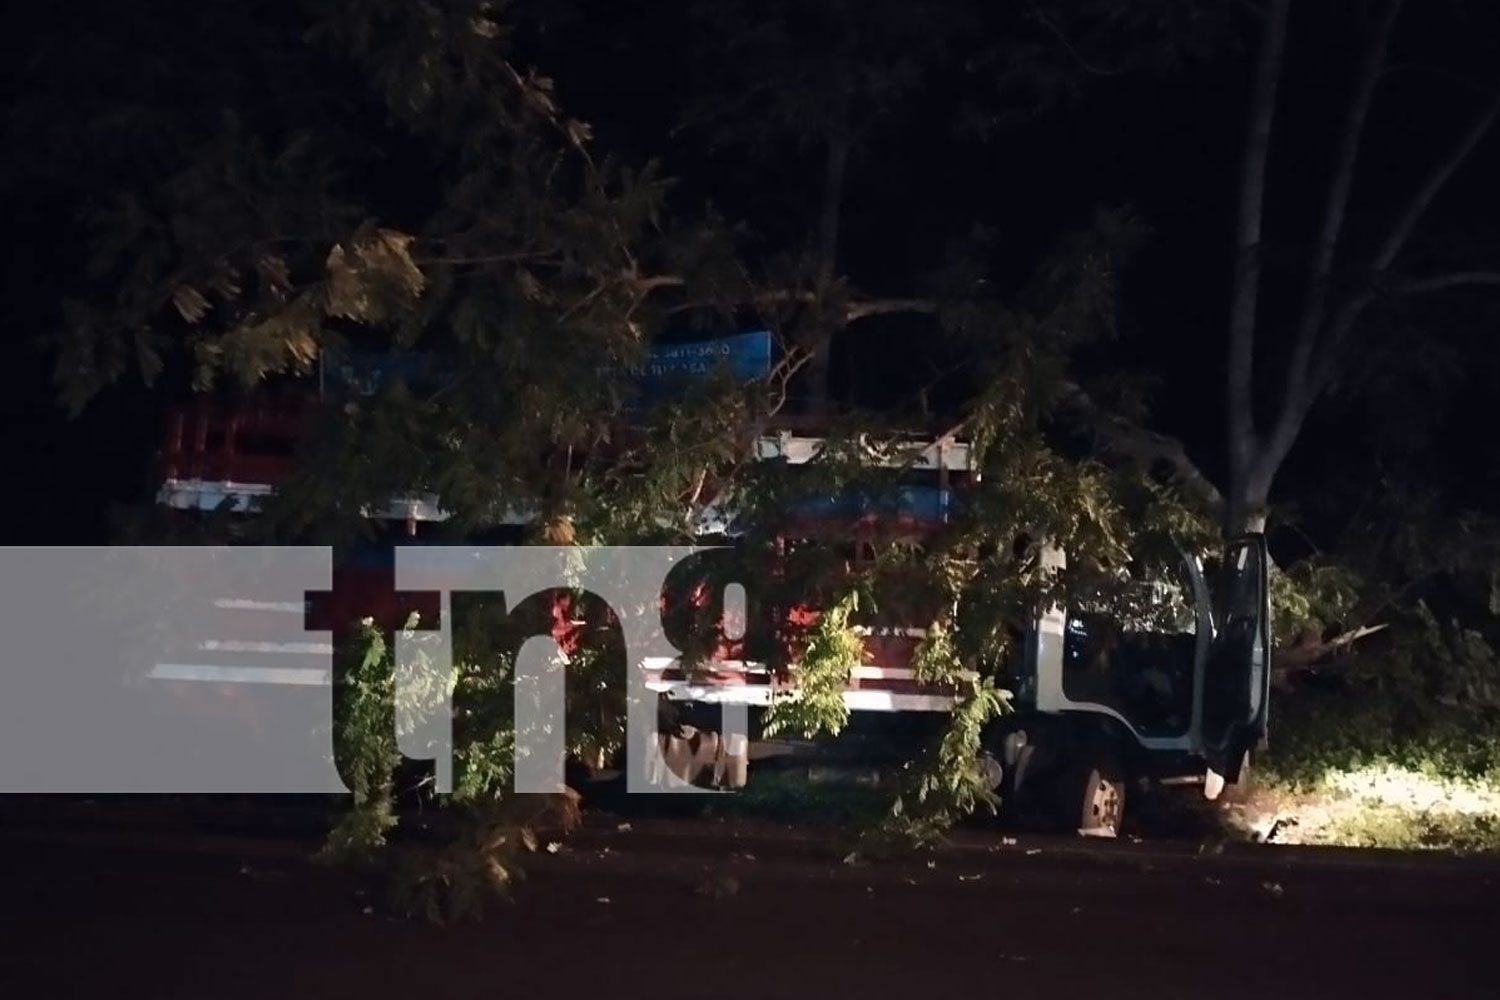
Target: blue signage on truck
668,368
743,357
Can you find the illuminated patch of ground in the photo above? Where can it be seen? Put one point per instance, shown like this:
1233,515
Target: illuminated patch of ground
1377,806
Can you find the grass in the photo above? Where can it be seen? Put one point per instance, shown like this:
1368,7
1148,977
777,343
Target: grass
1362,768
1399,828
1381,805
787,795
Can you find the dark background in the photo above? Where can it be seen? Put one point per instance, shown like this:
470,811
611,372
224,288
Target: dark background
1168,145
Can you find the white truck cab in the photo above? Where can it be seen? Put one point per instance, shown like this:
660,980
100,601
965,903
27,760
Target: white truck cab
1101,706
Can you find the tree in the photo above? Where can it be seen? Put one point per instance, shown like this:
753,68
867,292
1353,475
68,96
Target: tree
1336,300
820,97
396,179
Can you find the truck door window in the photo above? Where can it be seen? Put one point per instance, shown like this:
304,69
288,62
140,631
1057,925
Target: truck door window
1137,660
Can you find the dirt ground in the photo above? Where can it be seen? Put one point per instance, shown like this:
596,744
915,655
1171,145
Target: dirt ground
729,911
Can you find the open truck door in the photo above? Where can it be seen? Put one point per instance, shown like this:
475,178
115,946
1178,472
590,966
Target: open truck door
1235,677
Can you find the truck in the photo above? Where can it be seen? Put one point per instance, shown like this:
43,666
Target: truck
1099,707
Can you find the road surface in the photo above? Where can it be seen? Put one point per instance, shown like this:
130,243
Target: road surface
657,911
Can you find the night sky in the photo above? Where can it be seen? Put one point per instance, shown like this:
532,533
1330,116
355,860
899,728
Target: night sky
1167,145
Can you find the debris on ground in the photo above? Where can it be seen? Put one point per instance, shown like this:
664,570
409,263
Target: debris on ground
721,887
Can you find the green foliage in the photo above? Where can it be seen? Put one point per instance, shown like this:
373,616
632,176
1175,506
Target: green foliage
949,782
1392,827
391,178
494,826
453,883
1310,596
816,705
364,742
790,797
1446,668
1427,701
1417,710
799,74
936,659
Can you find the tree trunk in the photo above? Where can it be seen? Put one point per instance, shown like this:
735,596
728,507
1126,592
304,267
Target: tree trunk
819,338
1251,522
1246,505
833,200
814,401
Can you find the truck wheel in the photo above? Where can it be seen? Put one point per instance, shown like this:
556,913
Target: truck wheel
1017,794
1094,802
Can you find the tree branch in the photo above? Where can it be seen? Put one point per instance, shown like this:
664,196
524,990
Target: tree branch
1301,656
1327,357
770,297
645,286
494,258
794,361
1338,334
1442,282
1129,440
833,197
853,311
1247,264
1425,195
888,307
1297,394
1442,73
1343,177
1041,18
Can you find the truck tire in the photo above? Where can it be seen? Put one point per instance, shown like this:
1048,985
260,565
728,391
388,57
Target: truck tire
1093,800
1017,792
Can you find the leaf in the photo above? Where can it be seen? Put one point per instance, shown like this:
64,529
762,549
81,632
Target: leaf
275,275
344,294
389,252
225,282
190,303
531,288
302,346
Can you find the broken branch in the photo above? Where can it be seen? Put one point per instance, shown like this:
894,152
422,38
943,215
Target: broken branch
1442,282
1129,440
